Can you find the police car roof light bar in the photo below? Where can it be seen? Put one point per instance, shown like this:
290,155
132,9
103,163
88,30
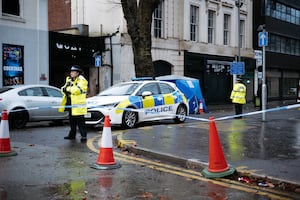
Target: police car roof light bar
142,78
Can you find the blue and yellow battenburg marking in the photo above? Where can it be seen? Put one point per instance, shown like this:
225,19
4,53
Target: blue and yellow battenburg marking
151,101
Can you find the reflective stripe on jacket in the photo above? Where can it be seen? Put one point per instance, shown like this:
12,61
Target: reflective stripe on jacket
238,94
78,93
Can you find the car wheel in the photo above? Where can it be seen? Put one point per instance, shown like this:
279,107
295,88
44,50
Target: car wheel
181,114
18,119
130,119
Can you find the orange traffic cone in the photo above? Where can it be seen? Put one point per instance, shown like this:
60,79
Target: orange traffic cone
5,149
201,107
106,158
217,165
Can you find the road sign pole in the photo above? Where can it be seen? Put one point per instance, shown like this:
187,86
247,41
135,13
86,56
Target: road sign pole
264,87
263,42
98,64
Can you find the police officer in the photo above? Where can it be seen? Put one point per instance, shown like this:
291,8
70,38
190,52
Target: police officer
238,96
74,101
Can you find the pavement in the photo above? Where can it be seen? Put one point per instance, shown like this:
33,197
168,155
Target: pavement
258,150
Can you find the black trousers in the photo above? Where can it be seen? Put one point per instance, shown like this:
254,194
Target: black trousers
77,121
238,109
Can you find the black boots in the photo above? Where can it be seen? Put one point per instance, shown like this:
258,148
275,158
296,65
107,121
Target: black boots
83,139
69,138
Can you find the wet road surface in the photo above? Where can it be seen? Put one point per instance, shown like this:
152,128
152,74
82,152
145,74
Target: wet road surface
270,148
48,167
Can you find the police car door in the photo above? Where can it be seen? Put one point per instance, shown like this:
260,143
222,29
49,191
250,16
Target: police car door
169,106
150,100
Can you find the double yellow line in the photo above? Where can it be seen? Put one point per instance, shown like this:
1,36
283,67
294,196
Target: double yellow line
191,174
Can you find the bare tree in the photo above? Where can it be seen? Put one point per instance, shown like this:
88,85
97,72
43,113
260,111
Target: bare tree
138,15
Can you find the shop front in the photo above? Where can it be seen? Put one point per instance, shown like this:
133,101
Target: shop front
213,72
67,50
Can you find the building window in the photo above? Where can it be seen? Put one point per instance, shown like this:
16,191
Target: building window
226,29
273,87
242,33
158,21
284,45
11,7
272,43
290,87
278,44
282,12
194,22
211,26
293,15
297,47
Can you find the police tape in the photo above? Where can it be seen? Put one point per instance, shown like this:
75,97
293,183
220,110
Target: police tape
43,107
294,106
223,118
260,112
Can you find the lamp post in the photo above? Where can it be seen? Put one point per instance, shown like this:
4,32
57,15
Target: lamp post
111,54
238,4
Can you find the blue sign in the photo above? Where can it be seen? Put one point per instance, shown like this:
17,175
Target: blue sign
98,61
237,68
262,39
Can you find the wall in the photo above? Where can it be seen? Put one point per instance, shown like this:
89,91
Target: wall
59,13
29,30
102,16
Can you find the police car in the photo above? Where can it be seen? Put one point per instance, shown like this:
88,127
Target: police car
130,103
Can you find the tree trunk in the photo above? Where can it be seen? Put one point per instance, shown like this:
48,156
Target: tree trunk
139,21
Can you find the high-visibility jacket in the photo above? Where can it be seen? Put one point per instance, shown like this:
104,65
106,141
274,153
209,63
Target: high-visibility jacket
76,90
238,94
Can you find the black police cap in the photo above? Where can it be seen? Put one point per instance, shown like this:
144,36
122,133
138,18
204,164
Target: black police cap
76,68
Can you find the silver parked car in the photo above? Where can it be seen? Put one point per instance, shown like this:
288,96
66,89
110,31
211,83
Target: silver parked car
28,103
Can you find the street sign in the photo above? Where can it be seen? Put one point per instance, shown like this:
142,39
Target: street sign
237,68
258,57
263,39
259,75
98,61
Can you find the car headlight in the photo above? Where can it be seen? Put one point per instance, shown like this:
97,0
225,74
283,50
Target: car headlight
109,106
106,106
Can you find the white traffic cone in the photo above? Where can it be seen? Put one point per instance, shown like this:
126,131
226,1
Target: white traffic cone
201,107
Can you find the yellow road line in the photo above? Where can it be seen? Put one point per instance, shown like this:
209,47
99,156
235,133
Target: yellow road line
198,176
274,194
144,161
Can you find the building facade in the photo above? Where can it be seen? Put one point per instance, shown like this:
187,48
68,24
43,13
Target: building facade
71,45
196,38
24,42
281,19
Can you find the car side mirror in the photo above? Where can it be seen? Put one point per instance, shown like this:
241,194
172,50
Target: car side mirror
146,93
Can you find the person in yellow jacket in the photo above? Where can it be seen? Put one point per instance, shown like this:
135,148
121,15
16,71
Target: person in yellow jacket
238,96
74,101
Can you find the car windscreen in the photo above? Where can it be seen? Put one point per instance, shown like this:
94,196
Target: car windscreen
2,90
120,89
